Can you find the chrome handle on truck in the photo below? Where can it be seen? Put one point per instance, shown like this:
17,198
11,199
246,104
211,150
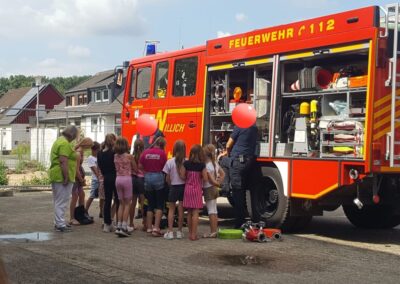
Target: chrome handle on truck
387,155
388,82
386,16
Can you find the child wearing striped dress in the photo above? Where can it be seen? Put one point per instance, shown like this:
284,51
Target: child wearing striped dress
195,173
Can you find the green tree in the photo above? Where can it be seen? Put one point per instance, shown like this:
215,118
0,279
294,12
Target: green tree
60,83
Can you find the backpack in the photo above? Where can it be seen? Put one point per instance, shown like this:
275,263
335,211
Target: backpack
81,216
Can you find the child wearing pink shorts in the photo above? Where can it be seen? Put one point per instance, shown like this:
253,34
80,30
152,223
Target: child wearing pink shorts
123,166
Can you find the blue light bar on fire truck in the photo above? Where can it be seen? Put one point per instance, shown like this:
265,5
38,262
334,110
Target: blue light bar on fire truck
151,47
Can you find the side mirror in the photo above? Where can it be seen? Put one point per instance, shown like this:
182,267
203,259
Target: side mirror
118,78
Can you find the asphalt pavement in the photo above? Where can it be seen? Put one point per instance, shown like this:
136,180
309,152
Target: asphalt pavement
330,250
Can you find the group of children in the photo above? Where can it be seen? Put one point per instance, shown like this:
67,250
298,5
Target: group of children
147,175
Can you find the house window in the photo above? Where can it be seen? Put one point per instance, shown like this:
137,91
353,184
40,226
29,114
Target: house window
80,99
73,101
105,95
68,101
185,77
98,96
96,124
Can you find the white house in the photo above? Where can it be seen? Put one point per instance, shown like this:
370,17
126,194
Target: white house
91,107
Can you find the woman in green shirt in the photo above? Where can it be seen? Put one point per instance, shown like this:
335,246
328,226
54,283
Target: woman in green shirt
62,174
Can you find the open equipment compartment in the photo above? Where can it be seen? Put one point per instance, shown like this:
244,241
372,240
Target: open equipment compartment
321,103
228,87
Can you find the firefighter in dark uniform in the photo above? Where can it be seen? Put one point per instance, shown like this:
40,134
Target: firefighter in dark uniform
149,141
241,148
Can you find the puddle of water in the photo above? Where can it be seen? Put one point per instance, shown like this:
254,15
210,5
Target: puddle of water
26,237
243,260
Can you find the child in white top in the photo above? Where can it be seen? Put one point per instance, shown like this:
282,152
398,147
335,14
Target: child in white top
95,184
176,188
215,176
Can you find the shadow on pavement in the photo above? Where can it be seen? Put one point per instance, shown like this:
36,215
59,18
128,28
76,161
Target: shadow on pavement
332,225
335,225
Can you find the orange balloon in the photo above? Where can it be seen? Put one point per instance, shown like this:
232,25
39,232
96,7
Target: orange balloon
146,124
237,93
244,115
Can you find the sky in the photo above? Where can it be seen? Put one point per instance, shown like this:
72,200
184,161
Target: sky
82,37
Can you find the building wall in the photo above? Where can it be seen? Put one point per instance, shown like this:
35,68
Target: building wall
47,136
48,97
14,135
110,125
96,132
20,134
5,139
99,131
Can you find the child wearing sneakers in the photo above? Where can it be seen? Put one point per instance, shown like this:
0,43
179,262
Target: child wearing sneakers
95,184
137,182
176,188
123,165
215,176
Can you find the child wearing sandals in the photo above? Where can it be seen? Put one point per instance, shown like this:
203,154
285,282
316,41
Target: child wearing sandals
215,176
123,166
195,173
176,188
137,182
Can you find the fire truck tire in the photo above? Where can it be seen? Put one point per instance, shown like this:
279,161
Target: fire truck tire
272,208
267,202
372,216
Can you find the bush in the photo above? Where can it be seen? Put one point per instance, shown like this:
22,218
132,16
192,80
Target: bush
20,167
29,166
21,150
3,174
37,180
35,166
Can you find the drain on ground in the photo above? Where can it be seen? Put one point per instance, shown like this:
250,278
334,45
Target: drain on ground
242,259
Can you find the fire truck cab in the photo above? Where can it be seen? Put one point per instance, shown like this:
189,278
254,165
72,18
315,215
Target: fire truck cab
326,96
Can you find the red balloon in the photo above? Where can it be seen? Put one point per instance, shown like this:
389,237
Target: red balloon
146,125
244,115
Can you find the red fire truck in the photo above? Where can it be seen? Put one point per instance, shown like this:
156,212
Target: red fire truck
326,96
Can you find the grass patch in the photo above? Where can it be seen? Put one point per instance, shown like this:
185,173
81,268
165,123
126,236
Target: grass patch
43,179
3,173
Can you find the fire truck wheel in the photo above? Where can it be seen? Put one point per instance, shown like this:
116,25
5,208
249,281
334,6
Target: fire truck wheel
266,200
372,216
